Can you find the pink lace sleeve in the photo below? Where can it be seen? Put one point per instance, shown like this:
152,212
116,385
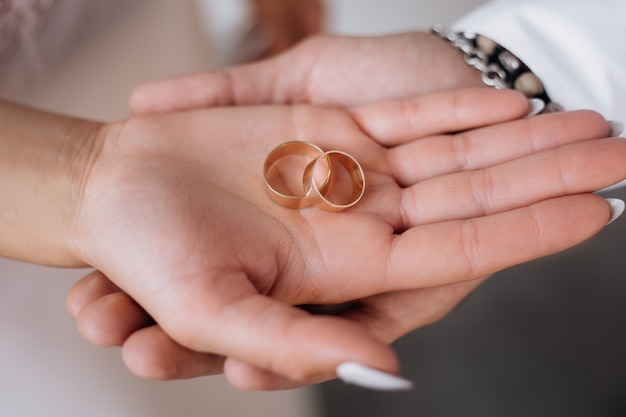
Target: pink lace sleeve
19,20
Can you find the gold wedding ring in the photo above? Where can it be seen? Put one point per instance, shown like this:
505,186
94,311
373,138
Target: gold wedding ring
322,196
323,184
289,149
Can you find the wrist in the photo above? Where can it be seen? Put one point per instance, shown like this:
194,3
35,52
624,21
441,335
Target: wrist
82,148
447,65
43,168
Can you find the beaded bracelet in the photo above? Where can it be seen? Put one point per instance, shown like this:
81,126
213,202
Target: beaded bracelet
499,67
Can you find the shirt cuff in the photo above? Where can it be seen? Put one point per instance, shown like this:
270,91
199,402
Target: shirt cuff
572,47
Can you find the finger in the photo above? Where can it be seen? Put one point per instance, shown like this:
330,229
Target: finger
278,80
268,334
456,251
480,148
395,122
88,289
391,315
168,360
544,175
151,354
244,376
385,316
111,319
246,84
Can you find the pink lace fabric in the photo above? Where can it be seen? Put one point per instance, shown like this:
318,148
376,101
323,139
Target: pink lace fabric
34,35
19,20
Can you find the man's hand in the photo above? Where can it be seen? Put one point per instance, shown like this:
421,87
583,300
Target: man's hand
322,70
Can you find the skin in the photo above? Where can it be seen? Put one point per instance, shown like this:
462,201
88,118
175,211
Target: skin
320,70
325,70
238,261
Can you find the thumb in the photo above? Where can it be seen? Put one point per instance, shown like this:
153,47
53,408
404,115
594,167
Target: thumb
246,84
274,336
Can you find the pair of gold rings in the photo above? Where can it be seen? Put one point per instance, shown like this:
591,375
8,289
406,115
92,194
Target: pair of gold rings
330,180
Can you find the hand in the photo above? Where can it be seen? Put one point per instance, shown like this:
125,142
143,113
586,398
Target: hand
322,70
222,278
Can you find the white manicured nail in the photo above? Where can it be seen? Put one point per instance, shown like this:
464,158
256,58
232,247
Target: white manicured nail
362,376
535,106
617,128
617,208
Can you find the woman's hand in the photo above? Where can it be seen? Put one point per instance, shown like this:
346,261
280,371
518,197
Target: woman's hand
176,215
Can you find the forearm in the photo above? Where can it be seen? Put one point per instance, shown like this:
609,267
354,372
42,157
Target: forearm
44,159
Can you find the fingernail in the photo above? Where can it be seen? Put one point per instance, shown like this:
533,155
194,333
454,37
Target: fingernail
616,128
535,106
617,208
362,376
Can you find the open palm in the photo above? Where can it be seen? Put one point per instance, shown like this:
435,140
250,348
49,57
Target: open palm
175,214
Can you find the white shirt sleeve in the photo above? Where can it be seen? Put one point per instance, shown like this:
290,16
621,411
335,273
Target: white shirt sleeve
576,47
